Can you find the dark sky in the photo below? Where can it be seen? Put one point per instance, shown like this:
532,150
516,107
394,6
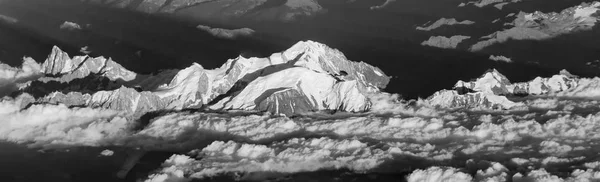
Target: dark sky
385,38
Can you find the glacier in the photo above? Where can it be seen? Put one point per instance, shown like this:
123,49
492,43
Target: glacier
303,110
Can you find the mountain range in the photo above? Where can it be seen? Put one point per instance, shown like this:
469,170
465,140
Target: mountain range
299,90
307,77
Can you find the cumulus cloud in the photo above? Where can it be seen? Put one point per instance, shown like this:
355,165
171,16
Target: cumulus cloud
58,125
550,134
497,173
393,135
439,174
444,21
71,26
500,59
385,4
259,162
107,153
226,33
10,77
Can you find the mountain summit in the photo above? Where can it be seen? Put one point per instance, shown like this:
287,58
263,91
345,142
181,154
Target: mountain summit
307,77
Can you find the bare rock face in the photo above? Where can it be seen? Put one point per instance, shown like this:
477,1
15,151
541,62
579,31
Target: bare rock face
285,101
316,78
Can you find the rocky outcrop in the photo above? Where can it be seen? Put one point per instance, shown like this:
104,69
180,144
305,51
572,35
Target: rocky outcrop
62,68
445,42
316,78
539,26
444,21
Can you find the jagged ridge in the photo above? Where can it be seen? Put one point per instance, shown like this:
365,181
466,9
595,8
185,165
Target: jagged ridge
343,87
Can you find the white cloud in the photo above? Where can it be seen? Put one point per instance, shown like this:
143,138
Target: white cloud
107,153
496,172
58,125
256,162
540,175
10,76
8,19
226,33
385,4
500,59
71,26
439,174
550,134
555,148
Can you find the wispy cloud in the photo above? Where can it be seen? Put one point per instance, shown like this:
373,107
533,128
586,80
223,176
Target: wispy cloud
10,76
385,4
55,125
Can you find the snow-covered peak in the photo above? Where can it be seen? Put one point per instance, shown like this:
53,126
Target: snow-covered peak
321,58
303,47
186,89
309,76
61,67
490,82
574,18
490,90
584,13
478,100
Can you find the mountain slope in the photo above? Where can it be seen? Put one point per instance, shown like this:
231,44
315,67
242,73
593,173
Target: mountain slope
237,85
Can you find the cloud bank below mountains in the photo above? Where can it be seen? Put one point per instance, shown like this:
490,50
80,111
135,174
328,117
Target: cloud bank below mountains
11,76
553,129
558,133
